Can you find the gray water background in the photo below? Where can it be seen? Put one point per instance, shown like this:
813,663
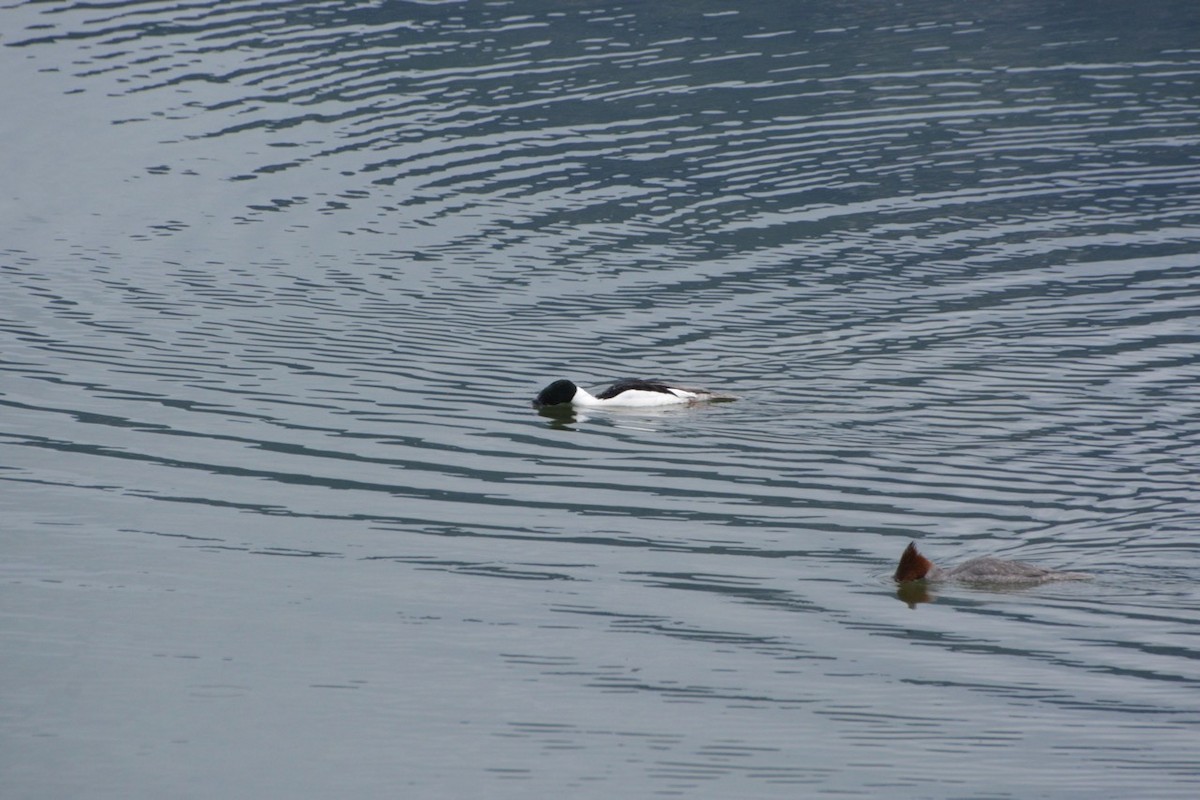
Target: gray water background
280,279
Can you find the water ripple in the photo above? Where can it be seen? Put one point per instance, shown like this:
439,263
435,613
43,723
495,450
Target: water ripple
315,259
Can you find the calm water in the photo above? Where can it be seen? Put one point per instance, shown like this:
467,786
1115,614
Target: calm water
280,279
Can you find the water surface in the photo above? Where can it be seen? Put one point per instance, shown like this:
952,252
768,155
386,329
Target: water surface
282,277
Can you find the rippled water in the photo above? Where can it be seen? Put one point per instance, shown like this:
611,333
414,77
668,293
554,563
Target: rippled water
282,277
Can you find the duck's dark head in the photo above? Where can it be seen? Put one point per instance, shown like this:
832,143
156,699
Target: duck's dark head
555,394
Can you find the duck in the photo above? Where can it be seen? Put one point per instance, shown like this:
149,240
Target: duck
627,393
914,566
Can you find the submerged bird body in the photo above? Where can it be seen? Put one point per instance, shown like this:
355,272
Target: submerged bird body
914,567
628,393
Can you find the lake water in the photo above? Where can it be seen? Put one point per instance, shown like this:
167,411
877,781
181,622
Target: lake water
281,278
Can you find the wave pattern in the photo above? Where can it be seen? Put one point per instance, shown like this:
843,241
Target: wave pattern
317,257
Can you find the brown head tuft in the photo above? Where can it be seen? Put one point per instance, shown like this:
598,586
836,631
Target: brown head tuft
913,566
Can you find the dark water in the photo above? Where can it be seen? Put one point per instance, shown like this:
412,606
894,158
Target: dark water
280,279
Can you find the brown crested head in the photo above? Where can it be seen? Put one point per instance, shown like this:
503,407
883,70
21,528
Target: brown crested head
913,566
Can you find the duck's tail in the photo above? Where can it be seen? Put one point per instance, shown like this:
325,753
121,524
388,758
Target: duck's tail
913,566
